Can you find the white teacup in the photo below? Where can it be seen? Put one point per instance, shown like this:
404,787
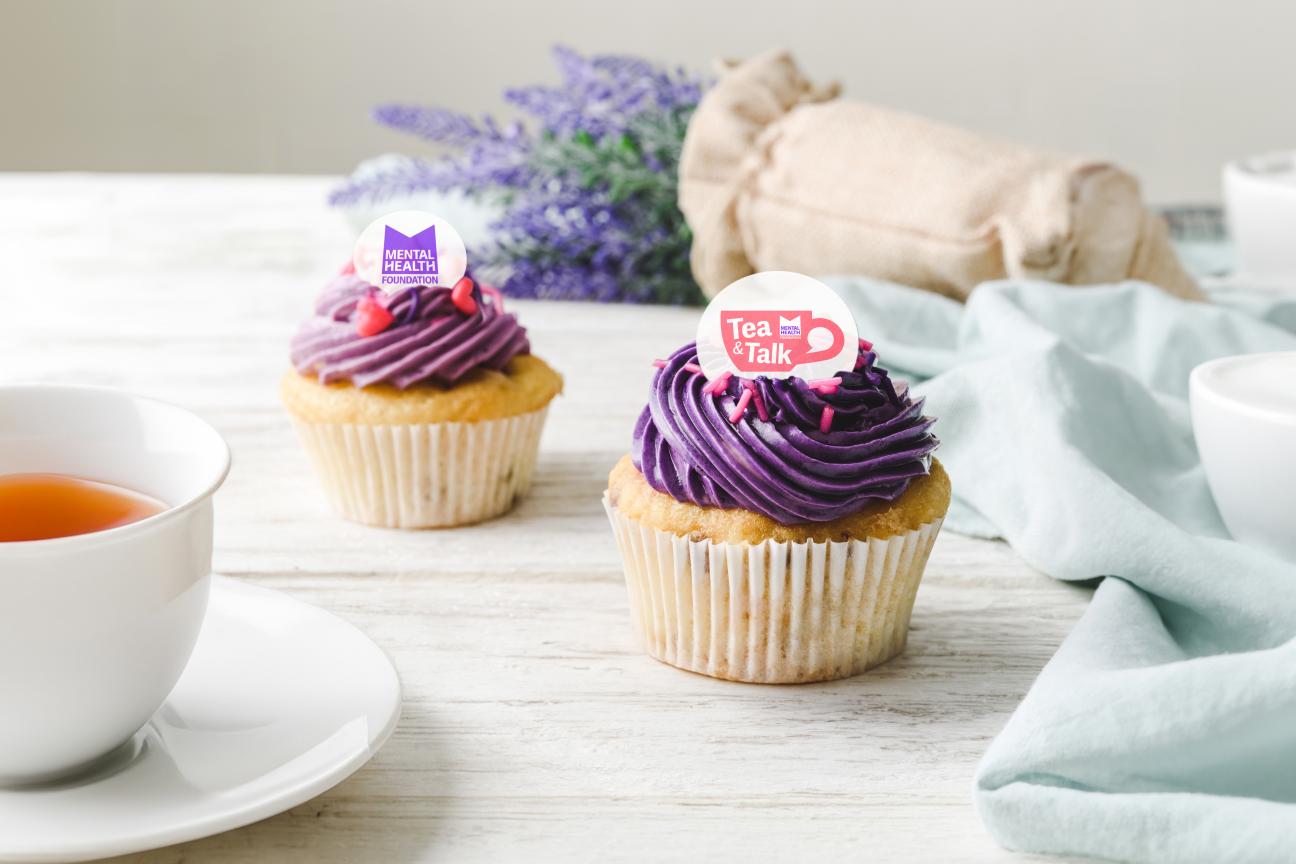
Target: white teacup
95,629
1260,198
1244,419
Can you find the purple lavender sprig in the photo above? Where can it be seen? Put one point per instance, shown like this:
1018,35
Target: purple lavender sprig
588,186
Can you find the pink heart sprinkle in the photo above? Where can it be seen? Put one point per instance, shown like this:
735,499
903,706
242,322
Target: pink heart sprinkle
371,316
461,296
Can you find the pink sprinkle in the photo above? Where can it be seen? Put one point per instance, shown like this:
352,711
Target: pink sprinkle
461,296
497,298
825,386
865,346
759,399
660,364
693,367
741,407
714,388
825,419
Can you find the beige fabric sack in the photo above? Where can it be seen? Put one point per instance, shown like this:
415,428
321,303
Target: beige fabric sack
777,174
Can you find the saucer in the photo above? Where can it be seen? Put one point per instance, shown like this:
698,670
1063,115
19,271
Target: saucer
280,702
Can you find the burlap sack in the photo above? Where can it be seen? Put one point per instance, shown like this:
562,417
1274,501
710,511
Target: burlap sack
777,174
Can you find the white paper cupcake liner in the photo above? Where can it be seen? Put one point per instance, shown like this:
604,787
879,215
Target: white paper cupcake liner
431,475
771,613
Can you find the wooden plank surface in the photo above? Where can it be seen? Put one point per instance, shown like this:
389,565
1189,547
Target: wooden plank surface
533,727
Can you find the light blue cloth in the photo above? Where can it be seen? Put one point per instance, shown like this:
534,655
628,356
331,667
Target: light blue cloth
1164,730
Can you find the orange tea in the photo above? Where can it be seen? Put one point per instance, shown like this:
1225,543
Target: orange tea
44,506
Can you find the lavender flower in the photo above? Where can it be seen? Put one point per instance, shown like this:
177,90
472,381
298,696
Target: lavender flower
588,186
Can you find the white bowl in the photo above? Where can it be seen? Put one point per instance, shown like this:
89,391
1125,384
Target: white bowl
1244,419
95,629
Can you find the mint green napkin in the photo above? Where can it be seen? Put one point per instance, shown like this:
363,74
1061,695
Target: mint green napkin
1164,730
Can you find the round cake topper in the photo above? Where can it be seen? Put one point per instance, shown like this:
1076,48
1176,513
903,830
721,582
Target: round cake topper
777,324
407,248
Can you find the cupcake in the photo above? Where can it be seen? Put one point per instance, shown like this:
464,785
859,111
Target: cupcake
418,410
775,530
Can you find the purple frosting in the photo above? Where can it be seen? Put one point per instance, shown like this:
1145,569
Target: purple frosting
784,468
429,342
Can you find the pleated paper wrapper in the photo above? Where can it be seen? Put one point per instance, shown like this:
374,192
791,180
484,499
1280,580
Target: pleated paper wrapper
771,613
432,475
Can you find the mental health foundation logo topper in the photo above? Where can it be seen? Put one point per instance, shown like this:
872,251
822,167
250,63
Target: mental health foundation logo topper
777,324
407,248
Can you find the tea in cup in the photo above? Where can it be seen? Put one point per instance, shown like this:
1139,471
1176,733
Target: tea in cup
48,506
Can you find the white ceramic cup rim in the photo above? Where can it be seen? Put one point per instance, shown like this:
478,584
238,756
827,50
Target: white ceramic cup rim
1200,385
1261,165
208,488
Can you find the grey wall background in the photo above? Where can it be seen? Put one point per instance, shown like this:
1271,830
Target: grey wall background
1168,88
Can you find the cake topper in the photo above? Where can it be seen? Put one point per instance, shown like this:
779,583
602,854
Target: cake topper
408,248
777,324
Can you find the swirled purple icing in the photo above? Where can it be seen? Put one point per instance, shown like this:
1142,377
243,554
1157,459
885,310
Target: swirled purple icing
783,467
429,342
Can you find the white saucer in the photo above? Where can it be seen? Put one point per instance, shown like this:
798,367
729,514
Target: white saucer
280,702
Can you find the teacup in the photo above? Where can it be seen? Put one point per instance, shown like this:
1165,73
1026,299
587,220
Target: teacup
1244,420
1260,198
776,340
96,628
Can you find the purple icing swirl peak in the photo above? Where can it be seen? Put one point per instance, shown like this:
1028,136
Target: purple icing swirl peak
784,468
429,341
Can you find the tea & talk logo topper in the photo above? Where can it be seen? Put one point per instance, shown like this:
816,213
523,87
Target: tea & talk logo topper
778,324
407,248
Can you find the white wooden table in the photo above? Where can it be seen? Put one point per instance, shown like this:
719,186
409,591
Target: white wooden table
533,727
